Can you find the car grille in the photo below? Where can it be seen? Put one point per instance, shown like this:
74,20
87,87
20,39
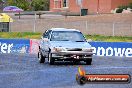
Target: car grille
74,49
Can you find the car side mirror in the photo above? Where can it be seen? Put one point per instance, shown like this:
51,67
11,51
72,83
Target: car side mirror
41,37
89,40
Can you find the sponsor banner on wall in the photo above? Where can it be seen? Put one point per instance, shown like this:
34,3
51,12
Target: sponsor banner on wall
100,48
112,48
14,45
34,46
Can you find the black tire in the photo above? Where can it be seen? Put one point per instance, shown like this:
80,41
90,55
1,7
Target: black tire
89,62
51,60
41,57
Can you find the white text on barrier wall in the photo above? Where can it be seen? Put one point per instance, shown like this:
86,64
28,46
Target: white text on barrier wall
101,51
5,48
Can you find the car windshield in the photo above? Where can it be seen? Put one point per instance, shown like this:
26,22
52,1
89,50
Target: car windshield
67,36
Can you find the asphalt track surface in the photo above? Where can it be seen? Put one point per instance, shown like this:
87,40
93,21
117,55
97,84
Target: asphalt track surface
24,71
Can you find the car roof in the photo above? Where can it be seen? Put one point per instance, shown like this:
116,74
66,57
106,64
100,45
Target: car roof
63,29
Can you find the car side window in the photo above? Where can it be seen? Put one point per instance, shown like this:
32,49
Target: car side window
47,34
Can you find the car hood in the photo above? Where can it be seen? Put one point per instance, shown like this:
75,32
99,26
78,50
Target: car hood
70,44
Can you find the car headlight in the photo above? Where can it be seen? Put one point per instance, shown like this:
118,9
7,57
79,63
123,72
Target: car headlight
87,49
58,49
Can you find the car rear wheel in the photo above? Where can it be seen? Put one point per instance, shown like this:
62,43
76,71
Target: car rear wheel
41,57
51,60
89,62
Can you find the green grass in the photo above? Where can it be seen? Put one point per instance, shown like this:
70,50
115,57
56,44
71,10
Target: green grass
25,35
109,38
32,35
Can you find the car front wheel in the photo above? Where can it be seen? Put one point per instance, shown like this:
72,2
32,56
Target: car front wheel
41,57
51,60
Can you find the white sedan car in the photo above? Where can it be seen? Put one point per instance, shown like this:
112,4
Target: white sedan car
61,44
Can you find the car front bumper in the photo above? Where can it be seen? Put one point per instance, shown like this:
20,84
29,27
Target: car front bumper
72,55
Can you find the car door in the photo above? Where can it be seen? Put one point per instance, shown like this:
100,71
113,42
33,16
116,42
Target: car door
45,42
